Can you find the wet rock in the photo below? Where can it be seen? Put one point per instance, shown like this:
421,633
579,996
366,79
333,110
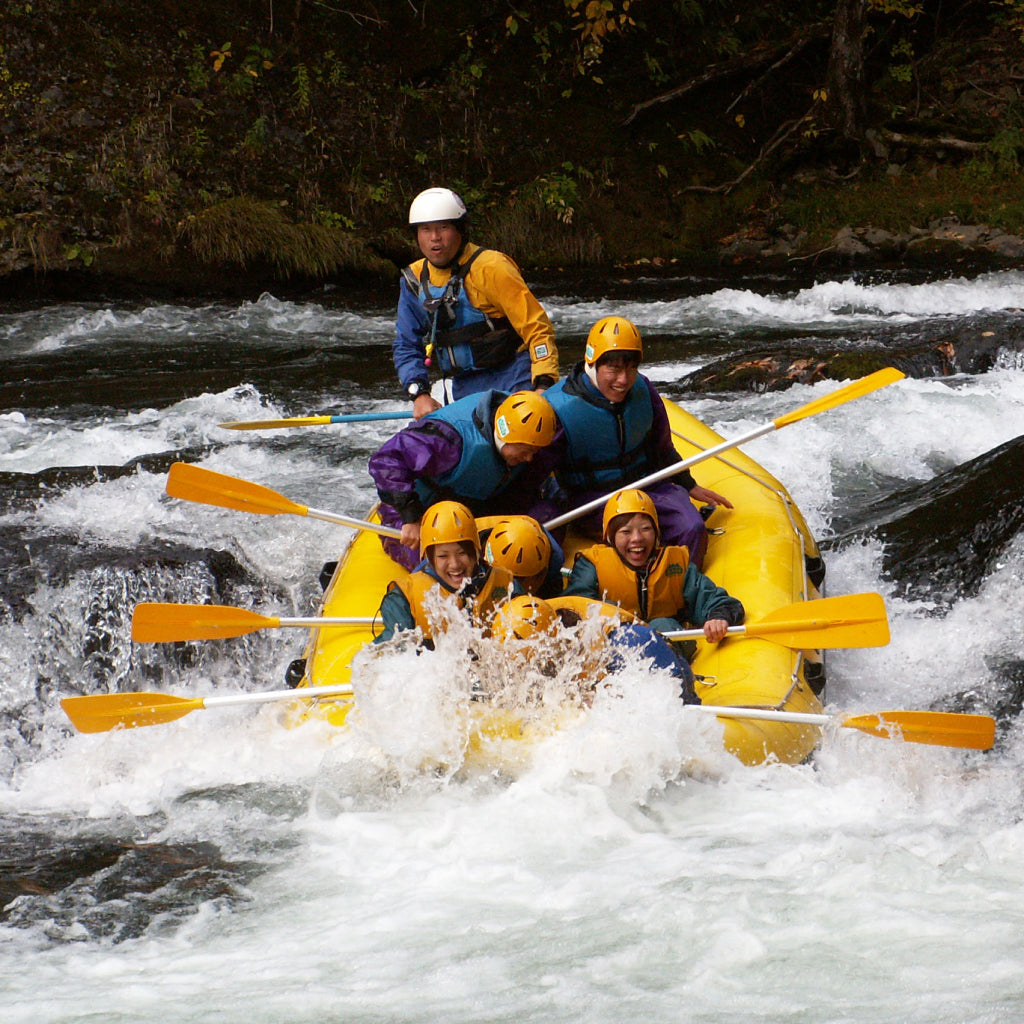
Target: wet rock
944,241
943,537
1009,247
846,243
934,248
937,349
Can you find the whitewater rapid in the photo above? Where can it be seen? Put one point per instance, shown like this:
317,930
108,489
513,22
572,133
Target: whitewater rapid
631,870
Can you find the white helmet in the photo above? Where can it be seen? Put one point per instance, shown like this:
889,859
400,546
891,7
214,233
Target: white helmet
436,204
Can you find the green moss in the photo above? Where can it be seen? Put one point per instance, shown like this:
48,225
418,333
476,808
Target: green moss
899,202
248,233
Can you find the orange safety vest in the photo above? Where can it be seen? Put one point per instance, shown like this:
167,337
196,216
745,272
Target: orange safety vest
496,589
620,585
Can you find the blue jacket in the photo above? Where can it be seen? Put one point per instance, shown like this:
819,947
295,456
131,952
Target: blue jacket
609,445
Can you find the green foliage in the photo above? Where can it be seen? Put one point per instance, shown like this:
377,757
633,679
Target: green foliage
558,193
900,8
331,71
301,94
575,32
243,74
1010,13
84,254
197,72
906,201
11,88
696,141
902,68
255,140
245,232
332,219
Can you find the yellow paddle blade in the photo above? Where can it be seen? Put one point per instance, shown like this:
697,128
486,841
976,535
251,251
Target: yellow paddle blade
193,483
864,386
848,620
294,421
941,728
154,623
104,711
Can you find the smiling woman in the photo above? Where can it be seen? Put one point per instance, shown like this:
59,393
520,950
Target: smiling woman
659,585
451,566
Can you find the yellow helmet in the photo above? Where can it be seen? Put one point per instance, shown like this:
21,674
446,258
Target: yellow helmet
612,334
448,522
525,418
524,617
628,503
520,545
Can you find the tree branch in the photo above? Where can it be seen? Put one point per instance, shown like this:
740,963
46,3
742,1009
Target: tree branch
776,55
782,133
923,142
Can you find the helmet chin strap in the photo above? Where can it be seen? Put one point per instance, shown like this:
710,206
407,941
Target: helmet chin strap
498,443
591,371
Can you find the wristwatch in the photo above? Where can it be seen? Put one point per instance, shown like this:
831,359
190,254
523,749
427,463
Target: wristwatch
417,388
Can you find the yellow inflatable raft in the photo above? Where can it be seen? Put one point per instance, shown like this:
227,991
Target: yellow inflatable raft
761,551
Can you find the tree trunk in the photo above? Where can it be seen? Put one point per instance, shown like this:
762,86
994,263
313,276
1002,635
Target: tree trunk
847,95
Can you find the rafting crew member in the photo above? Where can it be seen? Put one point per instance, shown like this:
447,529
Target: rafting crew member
531,553
616,431
451,563
488,451
659,584
467,311
527,618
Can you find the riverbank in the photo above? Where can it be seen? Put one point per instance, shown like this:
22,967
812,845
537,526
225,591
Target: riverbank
155,157
942,248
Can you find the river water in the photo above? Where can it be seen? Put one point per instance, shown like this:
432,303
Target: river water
226,868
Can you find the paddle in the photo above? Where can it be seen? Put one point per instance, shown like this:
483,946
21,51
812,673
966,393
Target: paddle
852,620
154,623
848,620
104,711
940,728
864,386
193,483
315,421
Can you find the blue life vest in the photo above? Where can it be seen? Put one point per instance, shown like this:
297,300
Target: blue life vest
460,336
605,446
480,472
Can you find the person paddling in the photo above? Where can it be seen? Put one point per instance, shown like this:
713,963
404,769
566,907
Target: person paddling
451,566
487,451
659,584
531,553
616,431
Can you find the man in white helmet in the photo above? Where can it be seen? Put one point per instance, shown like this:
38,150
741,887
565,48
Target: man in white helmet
467,312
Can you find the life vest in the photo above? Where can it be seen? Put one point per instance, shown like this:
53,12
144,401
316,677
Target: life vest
480,472
460,336
656,594
495,589
606,446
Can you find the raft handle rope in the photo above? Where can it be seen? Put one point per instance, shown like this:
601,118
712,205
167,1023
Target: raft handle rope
785,500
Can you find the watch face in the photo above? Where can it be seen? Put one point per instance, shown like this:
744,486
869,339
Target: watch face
415,390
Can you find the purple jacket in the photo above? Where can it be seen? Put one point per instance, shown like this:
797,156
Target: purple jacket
420,463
